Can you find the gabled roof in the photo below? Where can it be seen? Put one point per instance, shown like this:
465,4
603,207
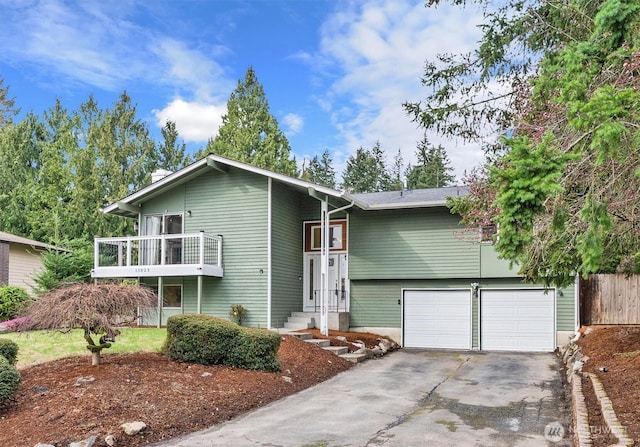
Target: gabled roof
12,238
129,205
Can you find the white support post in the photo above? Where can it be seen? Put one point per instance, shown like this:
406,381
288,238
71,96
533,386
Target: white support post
160,299
324,268
199,294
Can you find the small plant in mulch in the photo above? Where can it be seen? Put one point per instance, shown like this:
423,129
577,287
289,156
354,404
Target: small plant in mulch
237,313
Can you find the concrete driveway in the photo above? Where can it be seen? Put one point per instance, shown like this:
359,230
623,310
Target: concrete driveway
413,398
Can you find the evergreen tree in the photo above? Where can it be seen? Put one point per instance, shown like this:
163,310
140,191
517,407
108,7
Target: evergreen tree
321,171
433,169
172,155
366,171
565,178
249,132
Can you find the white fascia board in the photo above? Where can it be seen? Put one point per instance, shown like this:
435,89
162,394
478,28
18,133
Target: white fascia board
156,185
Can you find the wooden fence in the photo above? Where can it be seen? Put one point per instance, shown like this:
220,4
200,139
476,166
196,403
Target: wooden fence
610,299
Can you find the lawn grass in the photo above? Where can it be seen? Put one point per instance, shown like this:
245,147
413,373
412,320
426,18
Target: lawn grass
42,346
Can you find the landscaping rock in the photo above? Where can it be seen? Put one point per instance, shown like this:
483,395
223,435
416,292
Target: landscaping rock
44,445
133,428
110,440
82,380
84,443
287,379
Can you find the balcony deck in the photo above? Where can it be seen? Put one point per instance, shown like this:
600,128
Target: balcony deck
196,254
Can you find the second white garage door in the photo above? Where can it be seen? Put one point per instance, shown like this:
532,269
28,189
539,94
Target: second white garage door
437,319
517,320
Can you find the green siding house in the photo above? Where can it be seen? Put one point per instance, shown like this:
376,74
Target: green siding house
296,255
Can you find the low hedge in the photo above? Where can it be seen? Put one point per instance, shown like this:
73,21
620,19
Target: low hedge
255,349
9,350
215,341
9,380
199,338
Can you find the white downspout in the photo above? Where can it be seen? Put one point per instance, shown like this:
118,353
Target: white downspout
269,248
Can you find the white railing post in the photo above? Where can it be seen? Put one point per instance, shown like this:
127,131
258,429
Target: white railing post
129,252
219,246
96,253
163,248
201,257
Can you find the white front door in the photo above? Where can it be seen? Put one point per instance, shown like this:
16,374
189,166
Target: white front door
338,287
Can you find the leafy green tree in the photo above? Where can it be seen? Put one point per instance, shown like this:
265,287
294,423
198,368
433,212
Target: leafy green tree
321,171
566,180
366,171
249,132
172,154
433,169
7,106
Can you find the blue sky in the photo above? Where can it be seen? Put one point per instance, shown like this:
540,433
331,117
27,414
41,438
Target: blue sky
335,73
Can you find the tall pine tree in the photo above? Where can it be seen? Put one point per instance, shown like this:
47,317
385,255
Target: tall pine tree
321,171
433,169
366,171
249,132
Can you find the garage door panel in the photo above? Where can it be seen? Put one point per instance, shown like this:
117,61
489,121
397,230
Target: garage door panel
437,319
519,320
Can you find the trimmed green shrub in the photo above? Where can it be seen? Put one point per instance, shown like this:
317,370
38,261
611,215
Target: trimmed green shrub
12,301
255,349
200,338
9,380
9,350
214,341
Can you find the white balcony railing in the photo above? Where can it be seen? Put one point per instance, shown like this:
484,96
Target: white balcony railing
161,255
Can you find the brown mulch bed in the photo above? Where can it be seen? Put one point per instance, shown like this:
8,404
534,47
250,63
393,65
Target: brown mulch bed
172,398
616,348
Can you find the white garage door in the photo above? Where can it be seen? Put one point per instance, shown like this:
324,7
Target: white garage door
437,319
517,320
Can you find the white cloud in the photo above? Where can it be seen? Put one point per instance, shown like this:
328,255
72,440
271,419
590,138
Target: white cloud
195,122
374,52
293,123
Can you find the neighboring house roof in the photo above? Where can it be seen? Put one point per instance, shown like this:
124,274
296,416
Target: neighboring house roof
128,206
410,198
8,237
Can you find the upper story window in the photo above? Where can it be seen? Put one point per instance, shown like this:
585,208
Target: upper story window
337,236
162,224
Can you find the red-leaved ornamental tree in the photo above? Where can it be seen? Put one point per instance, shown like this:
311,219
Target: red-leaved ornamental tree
96,309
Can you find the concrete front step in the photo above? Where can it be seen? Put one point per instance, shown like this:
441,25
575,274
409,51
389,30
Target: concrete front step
354,358
340,351
319,342
298,326
337,350
301,335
